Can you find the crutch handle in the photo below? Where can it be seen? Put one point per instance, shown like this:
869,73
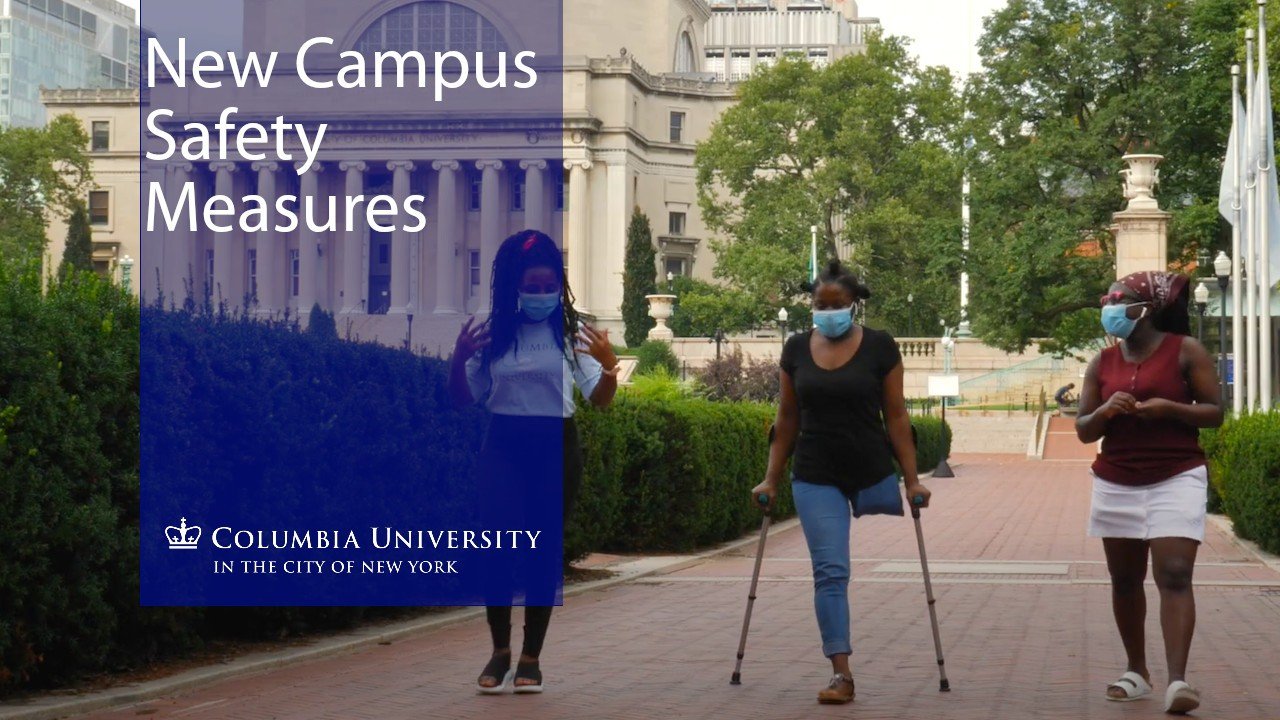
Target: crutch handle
918,501
763,499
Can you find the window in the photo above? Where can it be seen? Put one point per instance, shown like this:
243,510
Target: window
818,57
739,65
765,58
474,202
99,207
101,136
685,62
384,253
675,223
473,270
432,26
253,272
294,272
674,267
715,63
560,196
517,190
677,127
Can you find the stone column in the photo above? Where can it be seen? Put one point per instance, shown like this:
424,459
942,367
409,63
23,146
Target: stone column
490,225
609,264
447,237
400,260
353,243
308,241
179,251
226,282
270,297
576,241
535,202
1141,229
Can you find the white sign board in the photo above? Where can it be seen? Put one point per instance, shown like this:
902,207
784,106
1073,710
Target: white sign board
944,386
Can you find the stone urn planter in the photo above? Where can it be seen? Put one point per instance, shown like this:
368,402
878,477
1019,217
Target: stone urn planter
1140,180
660,310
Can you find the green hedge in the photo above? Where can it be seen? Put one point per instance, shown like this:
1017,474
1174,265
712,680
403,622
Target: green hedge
1244,467
933,442
662,474
68,475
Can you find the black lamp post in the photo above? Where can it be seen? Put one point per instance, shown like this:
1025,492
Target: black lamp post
718,338
1222,268
1202,303
782,325
911,315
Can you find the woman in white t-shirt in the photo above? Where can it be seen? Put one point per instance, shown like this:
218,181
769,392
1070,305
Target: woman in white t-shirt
522,363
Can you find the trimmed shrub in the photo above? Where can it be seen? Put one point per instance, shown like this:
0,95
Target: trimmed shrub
933,442
733,377
653,354
68,474
1244,464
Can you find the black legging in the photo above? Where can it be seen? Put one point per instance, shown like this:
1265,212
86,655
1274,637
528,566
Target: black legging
537,618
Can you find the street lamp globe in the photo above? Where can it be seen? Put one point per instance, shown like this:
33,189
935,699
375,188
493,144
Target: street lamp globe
1222,266
1202,294
782,315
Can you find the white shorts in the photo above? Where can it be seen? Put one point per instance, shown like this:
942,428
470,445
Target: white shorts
1170,508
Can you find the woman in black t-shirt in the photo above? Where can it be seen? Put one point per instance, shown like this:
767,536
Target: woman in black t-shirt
841,387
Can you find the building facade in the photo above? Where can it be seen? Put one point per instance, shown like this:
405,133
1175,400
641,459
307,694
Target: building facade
746,34
110,119
636,99
62,44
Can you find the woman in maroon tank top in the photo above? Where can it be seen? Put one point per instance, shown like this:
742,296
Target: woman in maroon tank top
1146,398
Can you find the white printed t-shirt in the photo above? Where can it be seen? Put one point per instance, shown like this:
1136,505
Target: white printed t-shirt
534,378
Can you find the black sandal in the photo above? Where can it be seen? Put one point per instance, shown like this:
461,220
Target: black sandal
499,668
528,671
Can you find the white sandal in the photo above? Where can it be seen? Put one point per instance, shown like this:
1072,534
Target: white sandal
1180,698
1133,685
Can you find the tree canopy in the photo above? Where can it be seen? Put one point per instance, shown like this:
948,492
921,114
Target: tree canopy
41,170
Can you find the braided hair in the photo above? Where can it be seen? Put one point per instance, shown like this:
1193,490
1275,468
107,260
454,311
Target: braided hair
836,272
523,250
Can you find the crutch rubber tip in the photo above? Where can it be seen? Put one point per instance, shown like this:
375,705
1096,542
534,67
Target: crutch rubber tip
736,680
944,687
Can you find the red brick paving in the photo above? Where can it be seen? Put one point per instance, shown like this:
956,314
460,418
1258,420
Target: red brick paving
663,648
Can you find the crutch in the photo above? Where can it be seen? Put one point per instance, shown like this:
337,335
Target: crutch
751,594
944,685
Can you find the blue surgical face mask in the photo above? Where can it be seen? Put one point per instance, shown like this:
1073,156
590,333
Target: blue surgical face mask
1116,320
833,323
539,306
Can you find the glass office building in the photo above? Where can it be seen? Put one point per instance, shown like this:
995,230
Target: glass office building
62,44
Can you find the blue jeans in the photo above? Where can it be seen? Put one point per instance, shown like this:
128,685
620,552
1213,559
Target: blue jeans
825,513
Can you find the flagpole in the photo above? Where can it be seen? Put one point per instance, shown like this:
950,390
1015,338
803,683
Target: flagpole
1250,243
1237,284
1265,167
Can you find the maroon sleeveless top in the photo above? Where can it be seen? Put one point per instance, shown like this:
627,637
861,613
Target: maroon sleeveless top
1140,451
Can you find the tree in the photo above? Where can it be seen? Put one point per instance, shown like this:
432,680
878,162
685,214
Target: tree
866,149
639,278
41,170
1070,86
78,254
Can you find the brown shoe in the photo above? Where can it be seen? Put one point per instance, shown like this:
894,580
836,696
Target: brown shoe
837,692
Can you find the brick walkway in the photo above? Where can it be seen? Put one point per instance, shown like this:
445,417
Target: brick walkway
1022,596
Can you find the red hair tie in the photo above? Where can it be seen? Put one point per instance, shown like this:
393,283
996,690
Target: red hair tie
529,243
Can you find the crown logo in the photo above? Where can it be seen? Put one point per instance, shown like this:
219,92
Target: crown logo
183,537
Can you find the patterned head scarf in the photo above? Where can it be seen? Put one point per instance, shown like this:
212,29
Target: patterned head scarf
1167,293
1162,289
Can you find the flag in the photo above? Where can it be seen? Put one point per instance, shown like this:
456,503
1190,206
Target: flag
1227,199
1262,150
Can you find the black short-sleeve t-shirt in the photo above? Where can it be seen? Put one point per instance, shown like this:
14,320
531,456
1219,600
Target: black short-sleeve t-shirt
842,439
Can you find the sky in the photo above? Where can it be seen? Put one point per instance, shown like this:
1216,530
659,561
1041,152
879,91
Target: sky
943,32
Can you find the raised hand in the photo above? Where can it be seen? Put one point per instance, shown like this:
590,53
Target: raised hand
471,340
597,345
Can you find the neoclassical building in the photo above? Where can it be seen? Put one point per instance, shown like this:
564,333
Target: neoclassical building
636,98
